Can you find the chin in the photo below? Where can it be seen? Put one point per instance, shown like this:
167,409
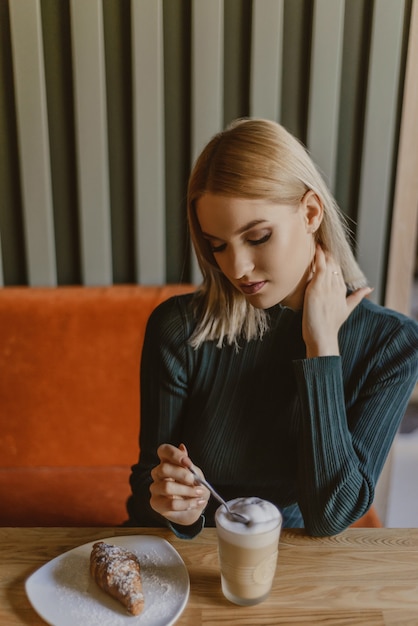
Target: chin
293,300
263,302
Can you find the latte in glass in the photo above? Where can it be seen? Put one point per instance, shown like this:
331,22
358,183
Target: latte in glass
248,552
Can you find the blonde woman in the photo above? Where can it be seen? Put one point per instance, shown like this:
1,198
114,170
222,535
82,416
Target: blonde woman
277,377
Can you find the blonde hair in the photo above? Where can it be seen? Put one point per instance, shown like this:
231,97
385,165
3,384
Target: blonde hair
257,159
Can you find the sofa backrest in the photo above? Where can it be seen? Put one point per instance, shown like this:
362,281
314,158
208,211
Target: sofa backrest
69,401
69,373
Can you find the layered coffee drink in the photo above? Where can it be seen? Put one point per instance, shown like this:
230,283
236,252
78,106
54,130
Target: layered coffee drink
248,552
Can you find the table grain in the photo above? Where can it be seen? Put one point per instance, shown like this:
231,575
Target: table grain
361,576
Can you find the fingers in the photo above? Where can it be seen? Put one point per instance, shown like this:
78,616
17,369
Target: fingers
182,510
185,461
327,267
319,261
325,264
357,296
171,469
177,494
168,453
326,305
174,493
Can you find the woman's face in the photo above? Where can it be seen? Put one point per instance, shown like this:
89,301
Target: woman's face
263,248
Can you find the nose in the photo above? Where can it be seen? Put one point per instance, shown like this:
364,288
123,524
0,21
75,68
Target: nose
239,263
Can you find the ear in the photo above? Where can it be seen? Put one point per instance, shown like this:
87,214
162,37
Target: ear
313,210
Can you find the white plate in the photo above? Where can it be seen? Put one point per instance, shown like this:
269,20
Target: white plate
64,594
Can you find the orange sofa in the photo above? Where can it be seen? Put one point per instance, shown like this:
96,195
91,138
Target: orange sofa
69,401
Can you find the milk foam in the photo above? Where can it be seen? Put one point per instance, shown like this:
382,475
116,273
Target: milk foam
263,516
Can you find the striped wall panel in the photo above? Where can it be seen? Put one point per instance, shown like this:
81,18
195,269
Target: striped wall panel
266,59
380,135
33,140
89,79
104,105
148,125
324,92
404,224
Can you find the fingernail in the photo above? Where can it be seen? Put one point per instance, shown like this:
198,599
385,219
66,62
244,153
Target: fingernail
198,492
200,502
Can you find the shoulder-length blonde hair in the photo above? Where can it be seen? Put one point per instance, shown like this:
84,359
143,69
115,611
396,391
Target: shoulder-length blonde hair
258,159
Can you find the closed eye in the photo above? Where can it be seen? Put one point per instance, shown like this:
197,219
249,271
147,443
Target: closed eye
258,242
219,248
216,248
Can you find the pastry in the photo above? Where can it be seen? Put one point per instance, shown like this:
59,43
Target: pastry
118,572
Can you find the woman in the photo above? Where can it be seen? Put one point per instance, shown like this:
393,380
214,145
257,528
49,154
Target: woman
277,378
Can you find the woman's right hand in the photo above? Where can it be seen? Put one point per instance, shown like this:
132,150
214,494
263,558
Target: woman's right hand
174,494
327,306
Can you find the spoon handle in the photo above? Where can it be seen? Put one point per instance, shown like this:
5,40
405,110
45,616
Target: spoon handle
237,516
205,483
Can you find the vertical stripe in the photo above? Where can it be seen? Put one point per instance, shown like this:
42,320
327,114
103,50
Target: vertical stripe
325,77
91,141
403,231
33,138
380,128
207,79
207,71
148,78
266,59
357,34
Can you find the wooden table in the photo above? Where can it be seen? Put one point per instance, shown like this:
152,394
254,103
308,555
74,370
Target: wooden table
362,576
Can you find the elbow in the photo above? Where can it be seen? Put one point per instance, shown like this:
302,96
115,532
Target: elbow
324,527
337,514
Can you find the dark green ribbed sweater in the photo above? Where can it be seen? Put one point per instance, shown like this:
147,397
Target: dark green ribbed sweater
310,435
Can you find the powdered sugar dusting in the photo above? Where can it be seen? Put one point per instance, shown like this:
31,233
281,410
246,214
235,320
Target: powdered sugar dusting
119,567
74,597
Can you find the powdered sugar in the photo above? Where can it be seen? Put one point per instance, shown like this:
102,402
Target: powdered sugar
120,568
64,593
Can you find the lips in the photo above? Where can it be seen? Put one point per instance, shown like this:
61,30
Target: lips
251,288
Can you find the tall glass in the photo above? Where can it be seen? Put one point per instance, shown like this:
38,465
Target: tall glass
248,553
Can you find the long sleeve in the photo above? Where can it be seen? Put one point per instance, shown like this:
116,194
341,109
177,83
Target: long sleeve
164,388
346,433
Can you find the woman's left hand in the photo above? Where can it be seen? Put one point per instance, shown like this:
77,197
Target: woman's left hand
326,306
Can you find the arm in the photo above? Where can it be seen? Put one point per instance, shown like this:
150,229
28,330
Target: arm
163,396
343,450
159,481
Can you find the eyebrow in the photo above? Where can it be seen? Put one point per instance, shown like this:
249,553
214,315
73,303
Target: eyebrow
241,230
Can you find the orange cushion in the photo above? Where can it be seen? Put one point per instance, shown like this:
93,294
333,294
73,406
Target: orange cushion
369,520
69,401
69,363
64,496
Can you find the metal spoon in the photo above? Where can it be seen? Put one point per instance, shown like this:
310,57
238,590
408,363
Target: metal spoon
234,516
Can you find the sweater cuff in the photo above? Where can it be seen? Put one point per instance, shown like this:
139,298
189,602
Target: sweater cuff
317,370
188,532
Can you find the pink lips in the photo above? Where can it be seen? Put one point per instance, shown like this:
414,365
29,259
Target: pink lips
251,288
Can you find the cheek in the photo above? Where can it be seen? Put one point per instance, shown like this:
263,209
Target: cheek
292,251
